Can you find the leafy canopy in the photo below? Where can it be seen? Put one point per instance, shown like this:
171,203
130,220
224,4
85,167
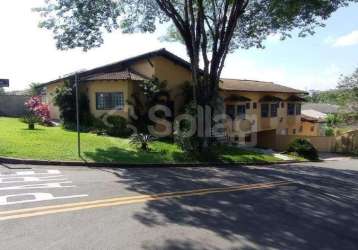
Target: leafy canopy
81,23
349,86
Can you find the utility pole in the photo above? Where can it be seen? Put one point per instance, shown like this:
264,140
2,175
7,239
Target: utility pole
78,116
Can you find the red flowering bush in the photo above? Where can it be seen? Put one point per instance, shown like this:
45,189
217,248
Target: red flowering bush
37,112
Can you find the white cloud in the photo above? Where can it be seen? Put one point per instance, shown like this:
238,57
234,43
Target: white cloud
347,40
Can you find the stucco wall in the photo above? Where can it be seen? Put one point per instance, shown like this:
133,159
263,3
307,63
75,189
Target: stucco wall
175,75
281,123
50,91
91,88
310,128
166,70
144,67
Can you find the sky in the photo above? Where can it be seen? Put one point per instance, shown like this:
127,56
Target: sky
28,54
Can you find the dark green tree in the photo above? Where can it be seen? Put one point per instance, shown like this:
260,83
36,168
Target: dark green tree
209,29
34,89
148,96
65,99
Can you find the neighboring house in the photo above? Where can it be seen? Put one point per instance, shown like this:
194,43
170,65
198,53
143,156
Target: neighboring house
267,108
321,107
312,123
314,118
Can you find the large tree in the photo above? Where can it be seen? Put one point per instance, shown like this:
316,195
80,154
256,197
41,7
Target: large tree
210,29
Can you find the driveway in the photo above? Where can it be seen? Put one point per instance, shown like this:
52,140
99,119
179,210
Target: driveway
296,206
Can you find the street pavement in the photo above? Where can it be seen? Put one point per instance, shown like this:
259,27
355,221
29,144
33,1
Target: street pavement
294,206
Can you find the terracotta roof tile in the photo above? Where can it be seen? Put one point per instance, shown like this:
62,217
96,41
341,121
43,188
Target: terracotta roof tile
121,75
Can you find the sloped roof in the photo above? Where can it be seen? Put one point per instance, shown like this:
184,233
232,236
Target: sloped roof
120,75
321,107
124,64
313,115
256,86
114,70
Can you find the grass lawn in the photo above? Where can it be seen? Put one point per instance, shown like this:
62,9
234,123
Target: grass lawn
55,143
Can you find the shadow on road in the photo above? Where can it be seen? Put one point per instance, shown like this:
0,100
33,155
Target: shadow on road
318,211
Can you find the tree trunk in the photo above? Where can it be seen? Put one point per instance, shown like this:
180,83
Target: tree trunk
31,126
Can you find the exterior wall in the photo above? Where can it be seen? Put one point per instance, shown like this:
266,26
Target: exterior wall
175,75
50,91
282,123
13,105
91,88
166,70
310,128
144,67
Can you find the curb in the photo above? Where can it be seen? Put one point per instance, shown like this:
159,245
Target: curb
15,161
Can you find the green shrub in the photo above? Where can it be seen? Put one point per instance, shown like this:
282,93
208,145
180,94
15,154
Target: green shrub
303,148
65,99
117,126
329,131
333,120
98,126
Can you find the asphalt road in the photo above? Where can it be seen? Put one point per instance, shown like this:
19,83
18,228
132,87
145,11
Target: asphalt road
297,206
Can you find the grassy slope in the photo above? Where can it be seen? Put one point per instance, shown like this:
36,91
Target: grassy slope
57,144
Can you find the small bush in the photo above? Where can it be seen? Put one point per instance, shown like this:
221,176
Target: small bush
117,126
303,148
99,127
329,131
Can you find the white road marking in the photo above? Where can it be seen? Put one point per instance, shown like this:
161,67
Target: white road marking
31,179
23,173
36,197
52,179
39,186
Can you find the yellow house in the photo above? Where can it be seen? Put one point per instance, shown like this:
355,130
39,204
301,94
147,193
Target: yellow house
260,109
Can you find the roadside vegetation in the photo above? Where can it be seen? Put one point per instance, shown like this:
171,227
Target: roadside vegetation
346,96
303,148
56,143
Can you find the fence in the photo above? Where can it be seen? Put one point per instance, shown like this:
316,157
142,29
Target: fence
321,143
12,105
269,139
347,143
